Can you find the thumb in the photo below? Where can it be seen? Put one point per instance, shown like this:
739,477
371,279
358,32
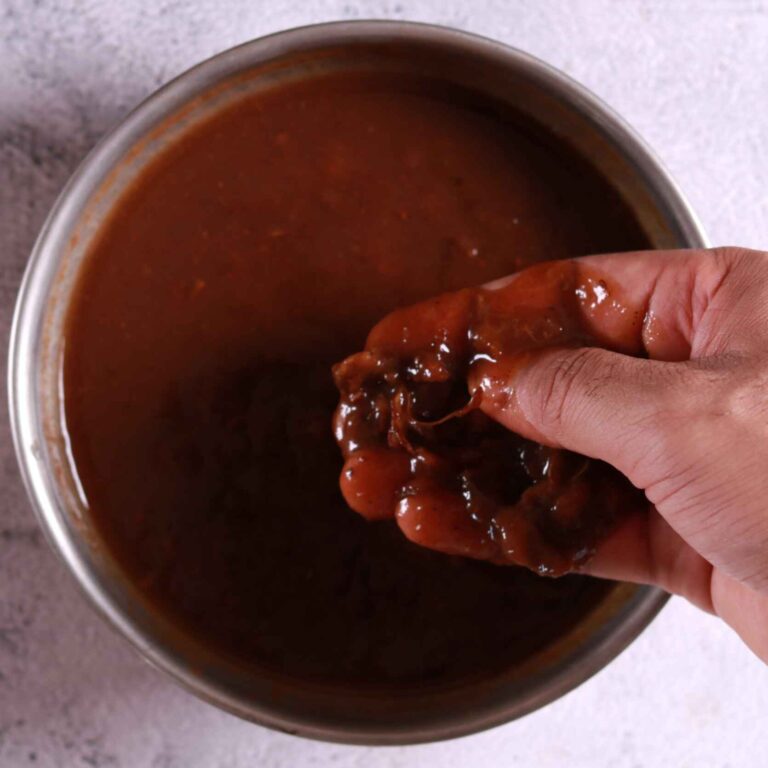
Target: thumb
592,401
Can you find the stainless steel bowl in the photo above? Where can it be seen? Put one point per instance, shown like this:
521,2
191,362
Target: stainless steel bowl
35,394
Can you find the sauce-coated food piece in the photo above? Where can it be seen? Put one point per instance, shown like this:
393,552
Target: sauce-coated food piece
418,448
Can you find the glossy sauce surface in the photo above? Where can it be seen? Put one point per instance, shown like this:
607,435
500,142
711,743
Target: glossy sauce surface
244,262
419,449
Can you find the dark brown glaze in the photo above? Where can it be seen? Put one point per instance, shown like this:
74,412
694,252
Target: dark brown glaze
418,448
245,261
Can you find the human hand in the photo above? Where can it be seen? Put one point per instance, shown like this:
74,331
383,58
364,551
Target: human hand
689,426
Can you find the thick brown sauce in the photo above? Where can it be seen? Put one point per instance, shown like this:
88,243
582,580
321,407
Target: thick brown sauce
244,262
419,449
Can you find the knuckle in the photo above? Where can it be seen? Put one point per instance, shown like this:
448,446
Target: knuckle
738,263
563,383
726,256
741,392
737,268
724,385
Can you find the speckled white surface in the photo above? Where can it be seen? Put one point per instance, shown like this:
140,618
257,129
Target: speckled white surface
691,75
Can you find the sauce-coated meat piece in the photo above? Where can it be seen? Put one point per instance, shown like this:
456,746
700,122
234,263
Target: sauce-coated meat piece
419,449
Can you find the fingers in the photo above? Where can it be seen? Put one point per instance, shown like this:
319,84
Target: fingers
681,304
629,302
695,303
744,609
657,288
646,550
597,401
591,401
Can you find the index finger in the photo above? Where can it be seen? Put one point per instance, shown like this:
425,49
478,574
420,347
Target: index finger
634,302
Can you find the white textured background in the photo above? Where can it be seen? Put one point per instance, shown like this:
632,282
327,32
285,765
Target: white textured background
691,75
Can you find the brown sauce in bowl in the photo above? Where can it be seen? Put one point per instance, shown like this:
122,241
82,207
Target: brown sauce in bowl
245,261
